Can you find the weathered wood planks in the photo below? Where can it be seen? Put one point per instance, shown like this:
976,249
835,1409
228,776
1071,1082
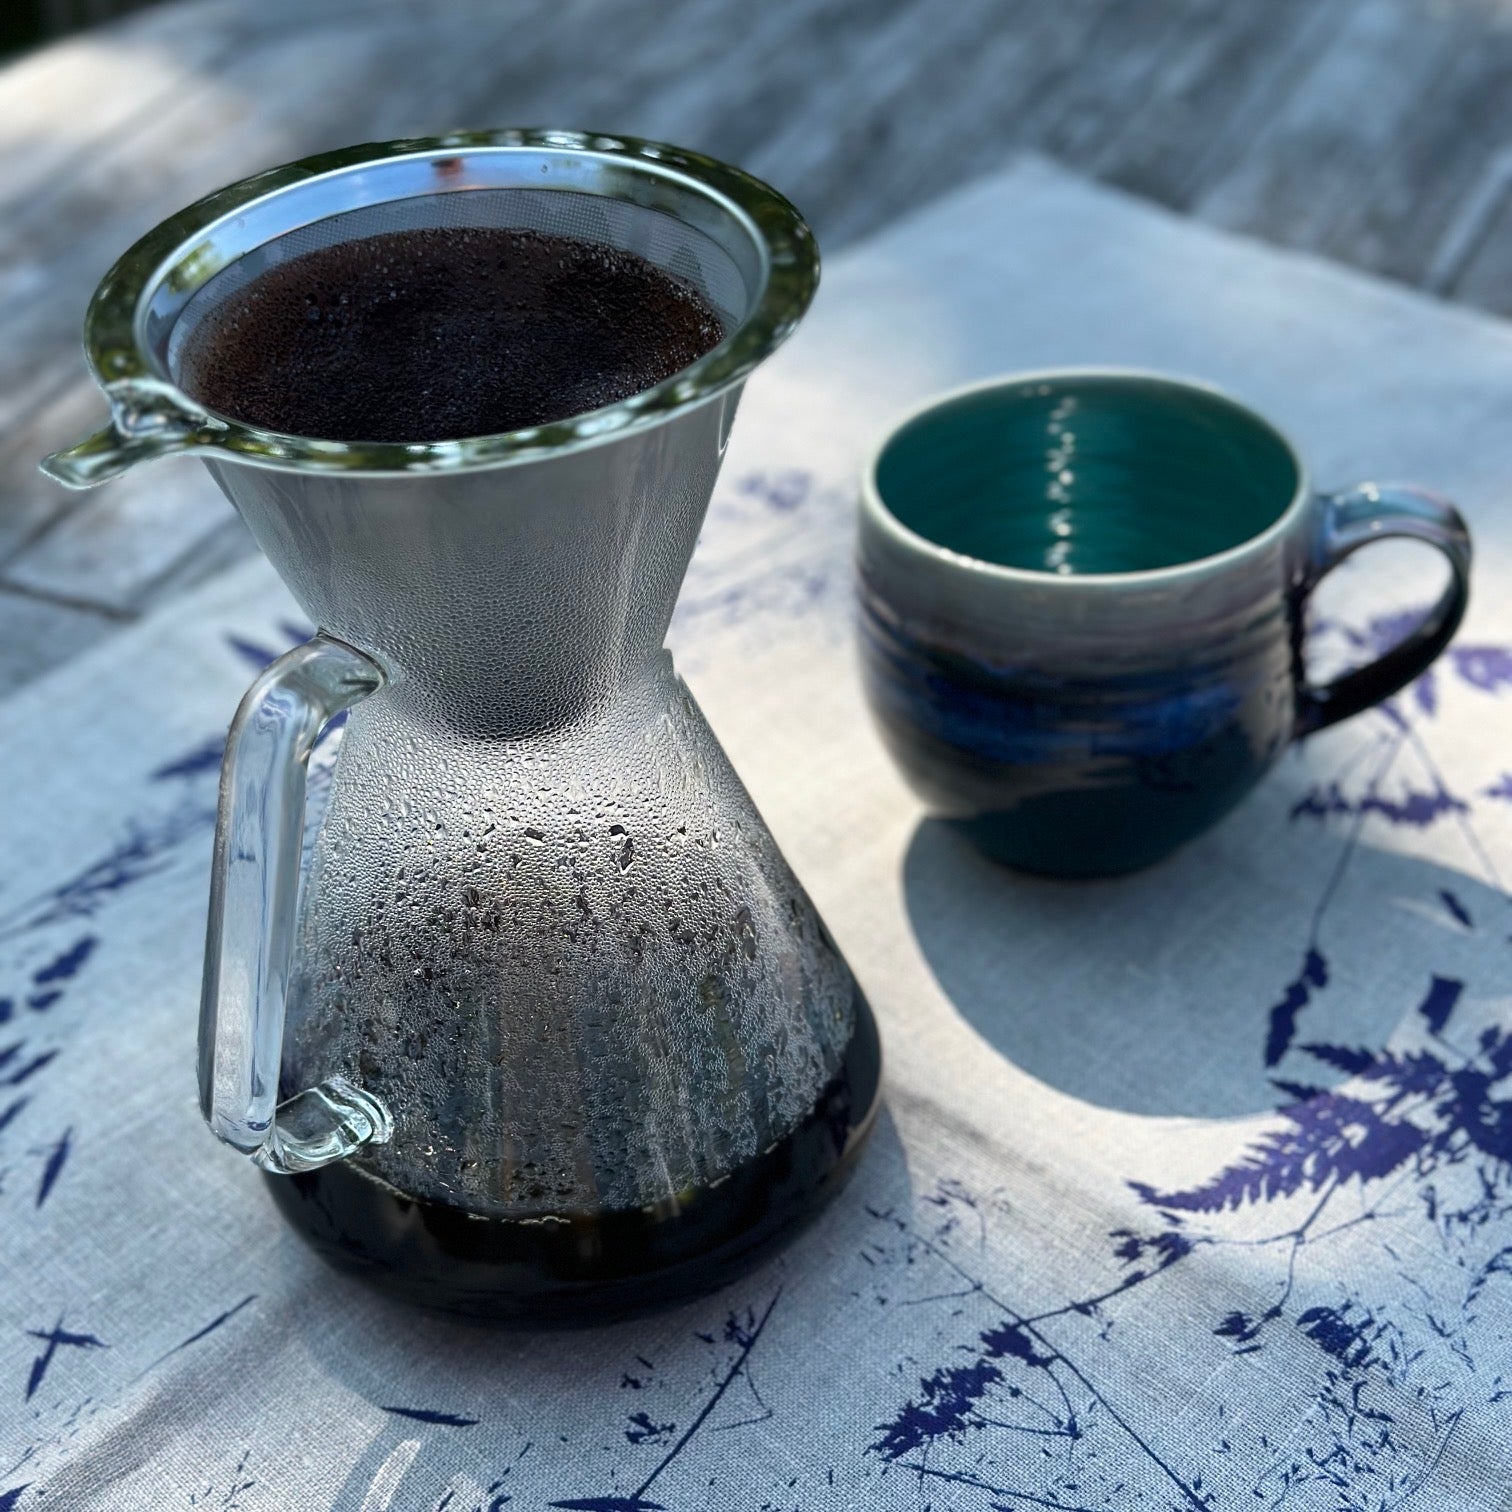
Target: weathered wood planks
1378,132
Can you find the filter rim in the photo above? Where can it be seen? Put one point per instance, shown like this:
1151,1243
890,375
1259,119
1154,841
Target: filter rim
180,252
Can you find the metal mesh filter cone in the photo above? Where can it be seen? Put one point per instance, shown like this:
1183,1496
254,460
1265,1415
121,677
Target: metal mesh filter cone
728,239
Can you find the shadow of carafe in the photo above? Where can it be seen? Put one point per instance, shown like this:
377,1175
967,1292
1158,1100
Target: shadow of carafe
339,1398
1195,988
599,1405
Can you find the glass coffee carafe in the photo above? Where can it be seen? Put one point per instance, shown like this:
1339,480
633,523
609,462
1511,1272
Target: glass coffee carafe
549,1028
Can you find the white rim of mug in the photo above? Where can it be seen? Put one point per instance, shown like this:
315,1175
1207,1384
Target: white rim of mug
875,511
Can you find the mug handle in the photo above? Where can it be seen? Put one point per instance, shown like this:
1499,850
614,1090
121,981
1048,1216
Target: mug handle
1355,518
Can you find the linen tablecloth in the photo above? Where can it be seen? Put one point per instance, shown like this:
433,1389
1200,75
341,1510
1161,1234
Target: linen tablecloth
1193,1189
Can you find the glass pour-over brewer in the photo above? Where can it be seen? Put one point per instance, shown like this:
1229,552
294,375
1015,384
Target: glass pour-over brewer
549,1027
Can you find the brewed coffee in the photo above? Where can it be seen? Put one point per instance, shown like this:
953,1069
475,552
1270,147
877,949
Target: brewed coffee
577,1268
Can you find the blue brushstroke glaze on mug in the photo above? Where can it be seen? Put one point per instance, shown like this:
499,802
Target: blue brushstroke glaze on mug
1082,598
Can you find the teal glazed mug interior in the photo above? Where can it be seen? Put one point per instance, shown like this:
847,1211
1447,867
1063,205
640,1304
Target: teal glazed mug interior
1082,606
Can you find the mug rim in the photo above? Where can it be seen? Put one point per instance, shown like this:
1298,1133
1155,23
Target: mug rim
876,512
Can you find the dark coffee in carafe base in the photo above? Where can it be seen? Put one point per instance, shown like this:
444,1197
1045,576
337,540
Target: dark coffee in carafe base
583,1267
439,334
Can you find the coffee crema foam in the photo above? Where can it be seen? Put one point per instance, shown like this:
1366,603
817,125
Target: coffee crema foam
440,334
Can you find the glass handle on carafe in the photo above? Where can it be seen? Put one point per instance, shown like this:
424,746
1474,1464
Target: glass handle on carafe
254,885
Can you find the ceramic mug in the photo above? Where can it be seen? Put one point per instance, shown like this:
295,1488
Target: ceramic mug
1082,599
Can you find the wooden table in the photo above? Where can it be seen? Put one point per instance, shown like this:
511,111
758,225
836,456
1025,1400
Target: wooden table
1378,132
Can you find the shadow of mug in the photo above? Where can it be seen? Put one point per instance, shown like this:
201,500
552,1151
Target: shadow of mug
1159,993
1082,608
